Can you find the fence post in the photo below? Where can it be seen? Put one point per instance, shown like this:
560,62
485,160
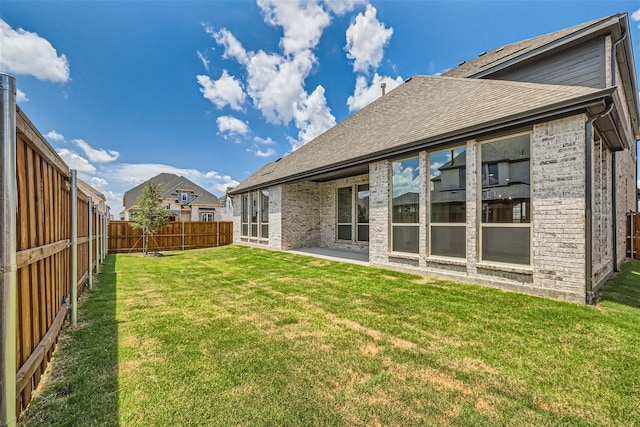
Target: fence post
8,264
98,239
106,235
90,203
74,247
182,235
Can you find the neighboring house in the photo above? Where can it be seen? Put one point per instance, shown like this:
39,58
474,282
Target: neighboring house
97,198
515,170
226,212
185,200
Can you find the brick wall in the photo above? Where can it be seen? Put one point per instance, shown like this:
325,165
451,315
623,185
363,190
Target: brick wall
559,208
300,215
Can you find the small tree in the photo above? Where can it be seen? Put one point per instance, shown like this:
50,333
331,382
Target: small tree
151,216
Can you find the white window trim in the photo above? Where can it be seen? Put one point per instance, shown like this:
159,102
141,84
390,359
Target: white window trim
354,215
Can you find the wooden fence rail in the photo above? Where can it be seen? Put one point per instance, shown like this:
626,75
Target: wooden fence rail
633,235
38,287
174,236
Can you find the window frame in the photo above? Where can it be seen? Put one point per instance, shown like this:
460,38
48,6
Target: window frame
406,225
354,223
253,227
462,183
482,225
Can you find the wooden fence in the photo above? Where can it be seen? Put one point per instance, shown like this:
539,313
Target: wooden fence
174,236
633,235
38,289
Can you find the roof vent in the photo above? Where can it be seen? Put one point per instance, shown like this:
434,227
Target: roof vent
482,53
383,86
461,63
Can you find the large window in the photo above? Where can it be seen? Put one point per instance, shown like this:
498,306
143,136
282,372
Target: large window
363,213
346,215
405,184
506,200
345,200
255,216
448,203
264,214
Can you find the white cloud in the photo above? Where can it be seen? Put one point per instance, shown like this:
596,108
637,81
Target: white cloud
635,16
96,155
26,53
227,90
266,153
265,141
276,82
405,180
203,59
232,47
76,162
98,182
21,96
230,126
302,22
52,135
312,117
364,94
340,7
366,39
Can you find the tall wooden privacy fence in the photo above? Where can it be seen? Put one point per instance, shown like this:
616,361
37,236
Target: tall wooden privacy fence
633,235
46,256
174,236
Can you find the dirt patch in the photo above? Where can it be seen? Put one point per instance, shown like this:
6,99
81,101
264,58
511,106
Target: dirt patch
371,349
403,344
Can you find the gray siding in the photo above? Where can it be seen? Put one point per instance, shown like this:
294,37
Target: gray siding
583,65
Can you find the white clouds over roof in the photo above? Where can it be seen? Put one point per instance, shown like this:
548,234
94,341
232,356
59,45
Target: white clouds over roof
27,53
365,93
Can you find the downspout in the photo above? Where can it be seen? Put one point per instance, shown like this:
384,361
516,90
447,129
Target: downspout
8,246
588,137
614,201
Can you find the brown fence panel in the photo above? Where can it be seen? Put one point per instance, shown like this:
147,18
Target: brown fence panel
174,236
43,253
633,235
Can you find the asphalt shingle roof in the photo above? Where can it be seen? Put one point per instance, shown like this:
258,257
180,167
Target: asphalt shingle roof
169,184
511,51
423,109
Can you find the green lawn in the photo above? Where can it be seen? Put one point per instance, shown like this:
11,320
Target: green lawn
241,336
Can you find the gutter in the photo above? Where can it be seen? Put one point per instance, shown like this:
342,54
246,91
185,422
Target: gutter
590,297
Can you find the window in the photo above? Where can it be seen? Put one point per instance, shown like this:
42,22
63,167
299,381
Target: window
345,200
348,220
363,213
245,214
405,184
506,200
448,203
206,216
264,214
255,215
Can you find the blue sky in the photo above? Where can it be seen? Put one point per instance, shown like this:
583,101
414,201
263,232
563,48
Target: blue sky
212,90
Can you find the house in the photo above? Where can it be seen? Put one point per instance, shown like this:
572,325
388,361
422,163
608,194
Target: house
185,200
515,170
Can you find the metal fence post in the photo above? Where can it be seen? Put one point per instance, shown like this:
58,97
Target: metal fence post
8,264
183,235
98,239
90,203
106,233
74,247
